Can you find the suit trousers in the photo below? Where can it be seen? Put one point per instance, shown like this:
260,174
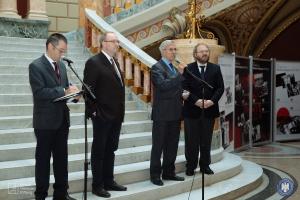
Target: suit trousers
105,142
53,142
198,136
165,137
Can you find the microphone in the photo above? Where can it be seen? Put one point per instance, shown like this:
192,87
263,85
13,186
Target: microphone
177,61
67,60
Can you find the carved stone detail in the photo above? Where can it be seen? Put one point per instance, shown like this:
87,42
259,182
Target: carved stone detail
23,28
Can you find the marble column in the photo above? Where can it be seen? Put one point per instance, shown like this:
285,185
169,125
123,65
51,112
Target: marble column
37,10
8,8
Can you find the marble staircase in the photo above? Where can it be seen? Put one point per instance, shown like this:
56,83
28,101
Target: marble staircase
17,141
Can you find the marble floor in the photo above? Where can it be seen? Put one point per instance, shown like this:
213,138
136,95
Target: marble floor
283,156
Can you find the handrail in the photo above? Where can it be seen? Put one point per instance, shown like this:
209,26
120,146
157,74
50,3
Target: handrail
134,62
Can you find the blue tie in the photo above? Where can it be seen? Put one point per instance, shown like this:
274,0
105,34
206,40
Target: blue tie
172,68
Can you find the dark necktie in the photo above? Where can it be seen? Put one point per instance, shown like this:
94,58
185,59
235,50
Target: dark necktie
116,70
202,67
56,70
172,68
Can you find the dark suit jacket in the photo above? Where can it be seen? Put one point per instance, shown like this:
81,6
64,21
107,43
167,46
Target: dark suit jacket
213,76
45,88
167,90
101,76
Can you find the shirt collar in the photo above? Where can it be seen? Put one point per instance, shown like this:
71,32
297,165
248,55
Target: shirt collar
166,61
200,64
107,56
50,60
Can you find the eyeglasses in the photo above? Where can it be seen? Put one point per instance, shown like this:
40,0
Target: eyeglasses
62,51
204,51
113,41
171,49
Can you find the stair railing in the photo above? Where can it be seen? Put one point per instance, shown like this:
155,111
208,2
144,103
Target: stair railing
135,64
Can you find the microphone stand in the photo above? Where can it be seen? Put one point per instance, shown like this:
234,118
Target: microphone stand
204,84
87,91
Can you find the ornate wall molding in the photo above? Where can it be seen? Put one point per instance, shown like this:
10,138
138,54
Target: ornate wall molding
262,23
275,33
156,27
241,20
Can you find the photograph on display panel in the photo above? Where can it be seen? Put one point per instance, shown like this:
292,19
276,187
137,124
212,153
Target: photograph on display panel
287,101
261,101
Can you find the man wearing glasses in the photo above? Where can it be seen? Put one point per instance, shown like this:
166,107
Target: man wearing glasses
103,75
48,80
198,129
166,115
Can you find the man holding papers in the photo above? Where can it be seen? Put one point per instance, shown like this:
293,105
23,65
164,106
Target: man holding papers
51,120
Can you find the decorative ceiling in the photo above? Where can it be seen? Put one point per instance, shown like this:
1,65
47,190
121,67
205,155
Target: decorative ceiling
244,28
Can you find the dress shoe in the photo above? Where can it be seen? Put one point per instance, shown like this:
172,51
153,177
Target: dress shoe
206,170
100,192
172,178
66,197
115,187
190,172
157,181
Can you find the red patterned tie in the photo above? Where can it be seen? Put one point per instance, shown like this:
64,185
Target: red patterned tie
56,70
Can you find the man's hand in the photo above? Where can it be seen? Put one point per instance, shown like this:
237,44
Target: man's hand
199,103
72,89
181,67
185,94
208,103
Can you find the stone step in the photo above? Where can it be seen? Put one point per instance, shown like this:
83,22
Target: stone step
39,47
15,122
14,89
33,54
129,174
23,69
31,41
25,89
14,78
244,182
27,109
26,61
24,78
26,98
127,153
23,151
16,136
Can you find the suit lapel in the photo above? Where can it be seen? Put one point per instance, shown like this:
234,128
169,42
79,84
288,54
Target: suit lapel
167,68
107,64
195,70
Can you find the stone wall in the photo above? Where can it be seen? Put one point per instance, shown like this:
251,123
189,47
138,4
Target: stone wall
63,15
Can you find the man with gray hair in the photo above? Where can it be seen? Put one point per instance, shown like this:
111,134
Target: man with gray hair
166,114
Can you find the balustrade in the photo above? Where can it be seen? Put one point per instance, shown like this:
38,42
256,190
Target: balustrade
135,69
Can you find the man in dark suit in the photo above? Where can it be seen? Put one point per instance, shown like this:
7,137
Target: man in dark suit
103,75
166,115
198,130
51,121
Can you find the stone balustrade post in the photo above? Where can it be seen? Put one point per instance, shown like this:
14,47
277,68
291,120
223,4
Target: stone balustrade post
146,96
137,89
128,71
